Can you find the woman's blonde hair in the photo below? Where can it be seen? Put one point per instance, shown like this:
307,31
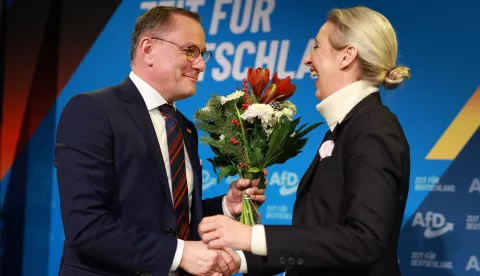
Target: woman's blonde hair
376,43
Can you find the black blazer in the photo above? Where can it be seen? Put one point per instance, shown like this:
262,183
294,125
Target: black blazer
115,198
349,206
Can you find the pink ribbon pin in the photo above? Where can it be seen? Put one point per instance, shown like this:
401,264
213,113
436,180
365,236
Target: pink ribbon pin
326,149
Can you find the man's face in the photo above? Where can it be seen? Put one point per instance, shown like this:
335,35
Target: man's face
171,70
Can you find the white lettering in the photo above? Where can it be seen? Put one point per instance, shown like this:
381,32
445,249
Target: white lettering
194,4
264,59
223,61
169,3
247,46
475,186
146,5
473,264
418,220
262,15
302,68
247,13
218,15
282,60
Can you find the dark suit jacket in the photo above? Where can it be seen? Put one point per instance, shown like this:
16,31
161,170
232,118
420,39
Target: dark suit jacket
349,206
115,200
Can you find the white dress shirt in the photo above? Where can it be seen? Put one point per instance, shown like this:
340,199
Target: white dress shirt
333,109
153,100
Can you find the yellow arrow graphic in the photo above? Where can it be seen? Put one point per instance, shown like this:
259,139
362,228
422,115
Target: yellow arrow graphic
459,132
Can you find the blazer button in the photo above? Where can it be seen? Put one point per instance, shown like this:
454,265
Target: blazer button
291,261
300,261
282,260
170,232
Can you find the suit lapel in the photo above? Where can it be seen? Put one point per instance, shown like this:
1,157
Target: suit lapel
136,108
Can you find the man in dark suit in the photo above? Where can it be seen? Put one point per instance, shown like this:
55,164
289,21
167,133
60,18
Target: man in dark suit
350,203
127,162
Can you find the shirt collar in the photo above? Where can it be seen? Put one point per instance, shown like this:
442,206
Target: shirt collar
336,106
152,98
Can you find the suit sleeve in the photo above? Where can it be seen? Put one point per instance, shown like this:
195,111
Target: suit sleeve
87,183
374,166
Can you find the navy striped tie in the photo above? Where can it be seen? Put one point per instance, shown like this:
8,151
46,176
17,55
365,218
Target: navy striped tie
177,170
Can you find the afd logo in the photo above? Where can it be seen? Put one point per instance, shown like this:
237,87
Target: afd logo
208,180
475,186
288,182
435,224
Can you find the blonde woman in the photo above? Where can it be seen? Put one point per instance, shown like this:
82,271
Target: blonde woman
350,202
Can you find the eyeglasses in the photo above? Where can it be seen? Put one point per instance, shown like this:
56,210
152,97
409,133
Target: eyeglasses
192,51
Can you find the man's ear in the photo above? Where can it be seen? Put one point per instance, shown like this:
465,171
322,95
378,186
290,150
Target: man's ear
145,50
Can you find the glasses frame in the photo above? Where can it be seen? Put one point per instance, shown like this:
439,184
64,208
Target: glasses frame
189,50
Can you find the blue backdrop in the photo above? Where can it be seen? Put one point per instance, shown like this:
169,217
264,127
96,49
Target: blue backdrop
439,109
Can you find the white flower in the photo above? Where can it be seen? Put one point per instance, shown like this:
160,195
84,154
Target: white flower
206,108
235,95
222,137
289,105
288,113
264,112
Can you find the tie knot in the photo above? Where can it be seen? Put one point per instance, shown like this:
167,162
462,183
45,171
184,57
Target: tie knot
168,111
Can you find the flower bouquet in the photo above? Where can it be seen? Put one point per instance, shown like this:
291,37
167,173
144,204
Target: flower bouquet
252,129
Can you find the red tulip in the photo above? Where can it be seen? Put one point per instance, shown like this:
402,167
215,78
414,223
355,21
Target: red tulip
269,95
258,80
285,88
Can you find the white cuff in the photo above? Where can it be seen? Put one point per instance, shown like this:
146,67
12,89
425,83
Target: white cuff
225,209
259,240
178,255
243,263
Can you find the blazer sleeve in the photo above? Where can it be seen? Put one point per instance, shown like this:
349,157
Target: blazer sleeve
87,182
376,163
212,206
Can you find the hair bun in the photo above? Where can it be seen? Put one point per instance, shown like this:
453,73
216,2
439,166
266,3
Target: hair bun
396,76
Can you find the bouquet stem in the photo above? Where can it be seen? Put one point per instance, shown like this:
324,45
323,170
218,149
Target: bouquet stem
250,215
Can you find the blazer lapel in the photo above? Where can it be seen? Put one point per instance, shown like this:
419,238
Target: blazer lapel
371,99
137,109
308,174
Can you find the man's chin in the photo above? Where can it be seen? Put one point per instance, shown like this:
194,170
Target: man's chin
185,94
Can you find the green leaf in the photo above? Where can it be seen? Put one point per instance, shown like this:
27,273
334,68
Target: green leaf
254,170
307,130
278,136
256,158
260,175
213,164
230,170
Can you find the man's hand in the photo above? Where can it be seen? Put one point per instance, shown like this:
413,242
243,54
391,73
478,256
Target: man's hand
221,231
197,259
234,195
228,261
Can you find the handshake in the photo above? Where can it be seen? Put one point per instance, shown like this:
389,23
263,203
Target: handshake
213,255
197,259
